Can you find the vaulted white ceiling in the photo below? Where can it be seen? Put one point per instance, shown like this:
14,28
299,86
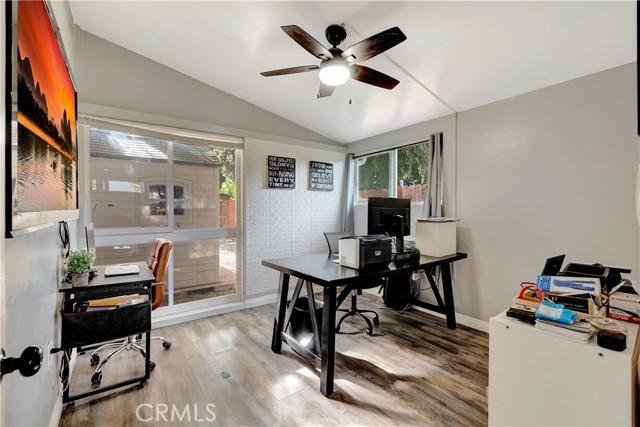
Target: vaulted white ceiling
458,55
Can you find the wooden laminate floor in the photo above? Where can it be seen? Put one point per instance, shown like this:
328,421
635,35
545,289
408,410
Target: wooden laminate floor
412,372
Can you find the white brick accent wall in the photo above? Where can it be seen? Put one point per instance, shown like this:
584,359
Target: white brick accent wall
281,223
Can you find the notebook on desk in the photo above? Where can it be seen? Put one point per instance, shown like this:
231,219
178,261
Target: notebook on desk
121,269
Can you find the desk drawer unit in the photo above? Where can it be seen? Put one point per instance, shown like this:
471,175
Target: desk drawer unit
543,380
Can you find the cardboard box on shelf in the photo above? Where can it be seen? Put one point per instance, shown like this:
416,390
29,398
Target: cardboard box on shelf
569,285
624,306
584,303
624,302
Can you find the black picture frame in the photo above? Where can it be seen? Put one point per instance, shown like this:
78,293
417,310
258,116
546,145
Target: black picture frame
320,176
281,172
41,111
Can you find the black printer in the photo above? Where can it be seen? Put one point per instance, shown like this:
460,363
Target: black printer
364,251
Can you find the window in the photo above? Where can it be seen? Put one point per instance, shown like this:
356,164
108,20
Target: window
129,175
412,174
373,176
185,189
406,167
158,200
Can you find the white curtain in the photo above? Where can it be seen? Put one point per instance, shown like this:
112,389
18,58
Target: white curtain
348,194
434,200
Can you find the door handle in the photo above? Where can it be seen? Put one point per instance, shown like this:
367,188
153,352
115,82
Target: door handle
28,363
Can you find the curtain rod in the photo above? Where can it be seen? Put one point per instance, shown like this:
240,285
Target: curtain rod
391,149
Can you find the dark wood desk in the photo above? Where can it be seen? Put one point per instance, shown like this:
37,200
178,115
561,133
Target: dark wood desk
100,287
102,284
317,269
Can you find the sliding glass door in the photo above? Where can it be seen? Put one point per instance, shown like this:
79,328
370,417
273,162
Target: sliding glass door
144,184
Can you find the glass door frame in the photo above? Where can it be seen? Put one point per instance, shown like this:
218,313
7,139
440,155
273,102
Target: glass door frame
143,235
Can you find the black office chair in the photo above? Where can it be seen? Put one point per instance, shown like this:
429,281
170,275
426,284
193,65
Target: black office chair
333,240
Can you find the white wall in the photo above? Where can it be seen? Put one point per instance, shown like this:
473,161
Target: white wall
546,173
33,270
281,223
541,174
114,77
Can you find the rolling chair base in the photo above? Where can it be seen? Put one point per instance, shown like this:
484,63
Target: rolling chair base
354,311
130,343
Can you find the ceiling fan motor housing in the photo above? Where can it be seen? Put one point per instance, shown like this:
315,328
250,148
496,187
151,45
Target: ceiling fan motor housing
335,34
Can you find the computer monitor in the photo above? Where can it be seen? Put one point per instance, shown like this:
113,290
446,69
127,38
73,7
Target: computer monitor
91,239
389,216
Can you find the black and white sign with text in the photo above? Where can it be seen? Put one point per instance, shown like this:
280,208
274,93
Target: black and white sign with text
281,172
320,176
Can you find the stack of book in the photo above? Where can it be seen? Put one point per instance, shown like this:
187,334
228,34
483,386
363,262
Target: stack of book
579,331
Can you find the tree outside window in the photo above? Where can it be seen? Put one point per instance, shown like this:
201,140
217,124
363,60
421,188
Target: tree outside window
412,181
373,176
411,174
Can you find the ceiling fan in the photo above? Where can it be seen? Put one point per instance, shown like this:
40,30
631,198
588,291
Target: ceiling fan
338,65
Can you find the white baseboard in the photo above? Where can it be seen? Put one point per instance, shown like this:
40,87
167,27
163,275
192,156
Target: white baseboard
57,412
461,319
176,318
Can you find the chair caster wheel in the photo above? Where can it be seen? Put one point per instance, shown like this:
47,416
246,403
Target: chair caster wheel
338,329
166,345
376,321
96,378
152,366
95,359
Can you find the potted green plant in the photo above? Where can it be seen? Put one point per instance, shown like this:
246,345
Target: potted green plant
78,264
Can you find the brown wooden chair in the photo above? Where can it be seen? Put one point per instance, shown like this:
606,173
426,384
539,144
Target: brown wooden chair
157,261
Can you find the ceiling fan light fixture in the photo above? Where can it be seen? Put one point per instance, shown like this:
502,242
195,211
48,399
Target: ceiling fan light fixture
335,72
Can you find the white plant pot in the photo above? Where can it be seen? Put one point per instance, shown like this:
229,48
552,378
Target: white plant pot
80,279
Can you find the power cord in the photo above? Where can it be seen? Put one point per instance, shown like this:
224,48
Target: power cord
64,381
63,232
436,278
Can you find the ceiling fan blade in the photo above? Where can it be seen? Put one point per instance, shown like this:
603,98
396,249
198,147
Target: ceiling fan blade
310,44
370,76
292,70
325,90
374,45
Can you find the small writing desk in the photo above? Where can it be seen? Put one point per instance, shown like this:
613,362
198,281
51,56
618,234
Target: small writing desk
318,269
102,284
101,287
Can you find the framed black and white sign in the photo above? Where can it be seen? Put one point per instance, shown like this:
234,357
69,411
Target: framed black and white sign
320,176
281,172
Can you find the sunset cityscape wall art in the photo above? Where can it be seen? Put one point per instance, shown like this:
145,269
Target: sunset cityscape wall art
45,168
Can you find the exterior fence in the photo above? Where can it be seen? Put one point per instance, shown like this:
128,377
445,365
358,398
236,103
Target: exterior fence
416,192
227,213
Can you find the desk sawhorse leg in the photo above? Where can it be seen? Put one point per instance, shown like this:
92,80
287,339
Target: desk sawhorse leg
328,337
328,344
446,307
